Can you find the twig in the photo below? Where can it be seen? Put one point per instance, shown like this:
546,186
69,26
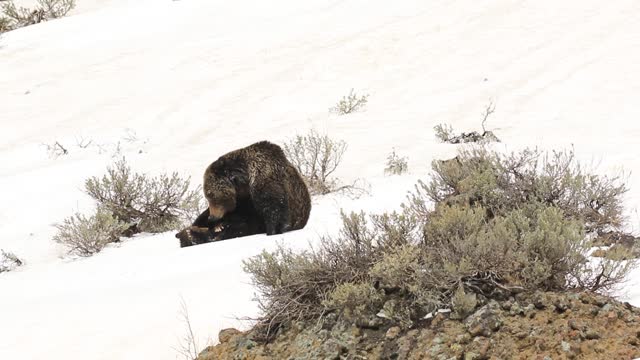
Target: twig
82,143
188,347
64,151
487,111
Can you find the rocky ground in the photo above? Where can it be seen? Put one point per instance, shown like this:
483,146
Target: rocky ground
537,326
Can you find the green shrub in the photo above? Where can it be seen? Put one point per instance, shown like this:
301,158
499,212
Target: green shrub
86,236
294,285
463,303
501,183
487,226
356,301
150,204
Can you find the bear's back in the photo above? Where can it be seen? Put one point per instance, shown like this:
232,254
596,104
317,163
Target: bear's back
267,149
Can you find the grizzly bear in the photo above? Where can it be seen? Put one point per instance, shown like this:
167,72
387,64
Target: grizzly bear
258,182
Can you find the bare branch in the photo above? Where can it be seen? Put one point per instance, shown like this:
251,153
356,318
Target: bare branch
487,111
83,143
316,157
188,346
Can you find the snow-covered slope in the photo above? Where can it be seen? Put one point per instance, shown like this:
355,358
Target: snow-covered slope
174,84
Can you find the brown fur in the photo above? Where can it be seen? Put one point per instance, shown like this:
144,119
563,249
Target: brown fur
261,178
243,222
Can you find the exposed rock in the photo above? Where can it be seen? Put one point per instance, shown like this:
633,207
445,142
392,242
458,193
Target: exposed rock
561,305
576,325
471,356
332,349
225,334
491,332
484,321
540,301
591,335
392,333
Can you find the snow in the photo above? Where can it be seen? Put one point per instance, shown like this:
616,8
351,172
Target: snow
171,85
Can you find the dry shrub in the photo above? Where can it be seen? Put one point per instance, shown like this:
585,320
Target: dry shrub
396,165
445,133
501,225
501,183
350,103
316,157
294,286
17,17
9,261
128,203
5,24
149,204
86,236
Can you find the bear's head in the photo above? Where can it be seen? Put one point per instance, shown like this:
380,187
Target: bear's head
195,235
226,183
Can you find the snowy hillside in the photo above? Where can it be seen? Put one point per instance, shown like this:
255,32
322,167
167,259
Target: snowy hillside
174,84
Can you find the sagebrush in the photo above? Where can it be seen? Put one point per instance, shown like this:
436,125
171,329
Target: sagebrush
502,183
444,132
149,204
396,165
316,157
9,261
85,236
129,203
487,226
13,17
350,103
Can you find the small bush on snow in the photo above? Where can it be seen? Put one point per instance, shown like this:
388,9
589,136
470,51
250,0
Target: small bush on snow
129,203
16,17
86,236
9,261
149,204
396,165
444,132
350,103
316,157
